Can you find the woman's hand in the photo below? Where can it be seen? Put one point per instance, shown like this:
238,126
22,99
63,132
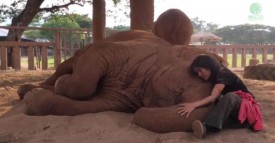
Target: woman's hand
186,109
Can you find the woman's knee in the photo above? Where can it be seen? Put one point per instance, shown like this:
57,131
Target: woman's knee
231,98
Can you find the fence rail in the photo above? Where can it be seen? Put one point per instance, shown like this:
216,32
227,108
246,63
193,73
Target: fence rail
64,43
67,41
267,53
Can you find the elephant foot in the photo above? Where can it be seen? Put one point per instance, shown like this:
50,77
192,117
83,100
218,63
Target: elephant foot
39,102
22,90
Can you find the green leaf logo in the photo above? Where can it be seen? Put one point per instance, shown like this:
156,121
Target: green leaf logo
255,8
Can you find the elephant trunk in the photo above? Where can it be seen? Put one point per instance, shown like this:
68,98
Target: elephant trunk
167,119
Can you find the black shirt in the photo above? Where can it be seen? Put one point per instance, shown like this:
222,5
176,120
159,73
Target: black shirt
231,81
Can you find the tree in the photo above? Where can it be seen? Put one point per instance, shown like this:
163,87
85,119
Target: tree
2,19
99,20
23,17
142,14
58,21
121,27
271,35
211,27
247,34
55,21
82,20
200,25
33,34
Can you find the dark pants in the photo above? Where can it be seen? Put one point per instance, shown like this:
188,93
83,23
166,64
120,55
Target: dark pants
225,113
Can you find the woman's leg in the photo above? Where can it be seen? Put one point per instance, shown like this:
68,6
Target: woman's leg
227,107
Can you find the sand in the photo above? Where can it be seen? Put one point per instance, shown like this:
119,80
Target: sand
111,127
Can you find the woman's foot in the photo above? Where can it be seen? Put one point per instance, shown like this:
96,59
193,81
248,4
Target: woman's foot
199,130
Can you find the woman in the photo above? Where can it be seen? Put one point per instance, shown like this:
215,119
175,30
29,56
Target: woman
229,94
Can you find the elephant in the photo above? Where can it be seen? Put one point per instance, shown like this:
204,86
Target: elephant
131,71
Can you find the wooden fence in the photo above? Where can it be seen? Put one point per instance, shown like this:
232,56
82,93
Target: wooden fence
267,53
64,43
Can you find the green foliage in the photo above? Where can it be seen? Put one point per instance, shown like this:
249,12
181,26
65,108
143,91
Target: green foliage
15,7
34,34
12,10
82,20
116,1
58,21
199,25
2,19
247,34
121,27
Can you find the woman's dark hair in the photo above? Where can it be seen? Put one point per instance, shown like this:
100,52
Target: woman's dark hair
207,62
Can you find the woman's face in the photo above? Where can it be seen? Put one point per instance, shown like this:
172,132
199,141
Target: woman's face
203,72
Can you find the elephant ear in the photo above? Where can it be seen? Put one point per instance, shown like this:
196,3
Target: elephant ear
221,59
190,52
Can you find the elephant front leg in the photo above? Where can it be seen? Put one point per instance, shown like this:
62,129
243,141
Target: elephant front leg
43,102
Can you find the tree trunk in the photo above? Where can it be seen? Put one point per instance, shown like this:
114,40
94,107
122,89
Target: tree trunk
98,20
23,19
142,14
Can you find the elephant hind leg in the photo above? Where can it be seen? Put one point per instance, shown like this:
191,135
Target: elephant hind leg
23,89
63,68
78,86
82,84
44,102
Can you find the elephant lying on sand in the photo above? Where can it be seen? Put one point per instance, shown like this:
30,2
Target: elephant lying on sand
124,73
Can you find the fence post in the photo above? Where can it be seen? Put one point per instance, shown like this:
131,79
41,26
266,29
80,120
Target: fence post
254,53
31,58
17,57
264,57
3,55
234,57
57,49
224,54
44,58
243,57
71,43
215,50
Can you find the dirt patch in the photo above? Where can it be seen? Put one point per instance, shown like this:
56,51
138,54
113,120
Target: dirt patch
114,127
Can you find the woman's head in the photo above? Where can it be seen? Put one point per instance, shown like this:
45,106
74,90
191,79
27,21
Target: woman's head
205,67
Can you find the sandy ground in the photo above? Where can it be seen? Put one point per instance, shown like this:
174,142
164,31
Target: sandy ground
111,127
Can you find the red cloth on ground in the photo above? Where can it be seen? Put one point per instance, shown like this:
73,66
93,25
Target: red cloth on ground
250,110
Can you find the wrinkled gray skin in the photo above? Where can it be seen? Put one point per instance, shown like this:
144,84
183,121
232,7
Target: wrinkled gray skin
124,73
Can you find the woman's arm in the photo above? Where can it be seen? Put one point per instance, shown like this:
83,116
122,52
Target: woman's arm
187,108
